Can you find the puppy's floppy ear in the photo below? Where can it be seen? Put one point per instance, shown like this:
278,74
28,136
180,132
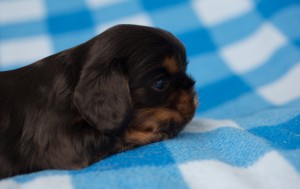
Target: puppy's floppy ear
103,98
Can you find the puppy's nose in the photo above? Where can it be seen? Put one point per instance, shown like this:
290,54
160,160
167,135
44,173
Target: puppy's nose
188,83
183,82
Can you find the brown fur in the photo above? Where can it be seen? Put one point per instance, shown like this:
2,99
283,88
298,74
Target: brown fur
171,65
124,88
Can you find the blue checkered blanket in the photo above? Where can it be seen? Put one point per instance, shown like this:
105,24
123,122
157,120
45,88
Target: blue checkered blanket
245,57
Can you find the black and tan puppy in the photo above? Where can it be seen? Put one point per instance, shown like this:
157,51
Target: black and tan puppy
124,88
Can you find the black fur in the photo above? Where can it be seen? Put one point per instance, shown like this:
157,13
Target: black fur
71,109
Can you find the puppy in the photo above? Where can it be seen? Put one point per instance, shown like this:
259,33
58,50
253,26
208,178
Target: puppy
124,88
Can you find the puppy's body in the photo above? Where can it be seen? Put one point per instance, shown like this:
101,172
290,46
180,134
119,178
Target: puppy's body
40,126
124,88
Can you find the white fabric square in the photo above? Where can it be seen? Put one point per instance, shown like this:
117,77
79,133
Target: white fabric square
140,19
212,12
206,125
101,3
283,90
254,50
271,171
21,10
24,50
47,182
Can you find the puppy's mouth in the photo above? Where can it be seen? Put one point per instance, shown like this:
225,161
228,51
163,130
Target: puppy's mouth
158,123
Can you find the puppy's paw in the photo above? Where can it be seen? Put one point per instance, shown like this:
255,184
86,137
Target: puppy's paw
152,125
137,137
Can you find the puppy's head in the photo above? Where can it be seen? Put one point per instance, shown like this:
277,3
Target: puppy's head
134,81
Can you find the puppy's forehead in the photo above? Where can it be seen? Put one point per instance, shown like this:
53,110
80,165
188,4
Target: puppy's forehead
171,65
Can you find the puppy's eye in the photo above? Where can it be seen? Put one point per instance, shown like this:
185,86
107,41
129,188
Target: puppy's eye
160,84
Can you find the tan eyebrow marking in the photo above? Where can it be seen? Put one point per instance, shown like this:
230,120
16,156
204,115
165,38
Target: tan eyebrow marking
171,65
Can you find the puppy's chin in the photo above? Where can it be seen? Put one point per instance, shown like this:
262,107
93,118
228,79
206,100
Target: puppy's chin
158,123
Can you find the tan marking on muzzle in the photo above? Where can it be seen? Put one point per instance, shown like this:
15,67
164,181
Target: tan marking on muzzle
196,101
148,123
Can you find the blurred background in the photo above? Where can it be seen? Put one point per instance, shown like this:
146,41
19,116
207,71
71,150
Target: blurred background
244,54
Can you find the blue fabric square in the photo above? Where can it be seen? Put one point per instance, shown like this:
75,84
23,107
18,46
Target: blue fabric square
170,20
266,117
208,68
288,21
270,7
67,40
236,28
19,30
148,177
158,4
283,136
276,67
229,145
58,7
244,105
71,21
151,155
221,91
197,41
116,11
297,42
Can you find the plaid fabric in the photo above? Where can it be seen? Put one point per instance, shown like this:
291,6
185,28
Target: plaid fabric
245,57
